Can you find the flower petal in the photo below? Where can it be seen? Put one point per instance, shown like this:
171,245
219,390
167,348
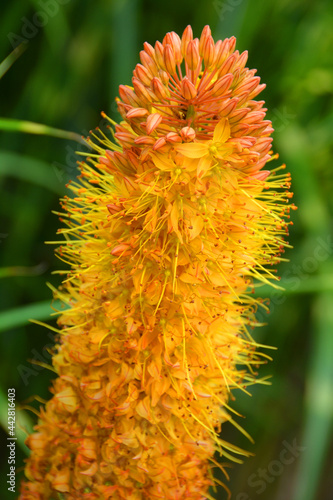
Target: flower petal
222,131
203,166
162,163
193,149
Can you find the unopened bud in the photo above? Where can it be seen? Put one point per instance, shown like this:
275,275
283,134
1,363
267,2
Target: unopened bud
161,141
186,38
169,60
222,85
232,44
164,77
228,106
206,33
261,176
242,60
209,52
141,91
188,134
159,54
128,96
144,139
228,64
136,113
173,40
192,55
153,122
159,89
221,52
173,137
149,49
125,139
149,63
142,74
188,89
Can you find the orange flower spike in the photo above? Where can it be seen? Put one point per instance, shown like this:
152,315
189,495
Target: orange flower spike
166,231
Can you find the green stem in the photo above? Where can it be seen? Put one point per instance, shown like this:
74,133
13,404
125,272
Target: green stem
37,128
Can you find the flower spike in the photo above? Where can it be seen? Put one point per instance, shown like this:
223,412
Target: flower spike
168,230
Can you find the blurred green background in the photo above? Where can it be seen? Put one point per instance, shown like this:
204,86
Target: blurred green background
77,53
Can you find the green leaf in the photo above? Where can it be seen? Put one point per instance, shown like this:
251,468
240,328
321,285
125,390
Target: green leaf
29,169
318,403
13,56
21,315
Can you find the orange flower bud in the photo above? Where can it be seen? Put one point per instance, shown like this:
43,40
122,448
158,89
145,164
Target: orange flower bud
228,106
187,134
221,85
136,113
125,138
141,91
169,59
149,63
128,96
173,137
159,143
122,249
188,89
227,65
242,60
159,89
186,38
149,49
164,77
153,122
173,40
192,55
113,209
159,54
208,52
221,52
142,74
206,33
144,139
232,44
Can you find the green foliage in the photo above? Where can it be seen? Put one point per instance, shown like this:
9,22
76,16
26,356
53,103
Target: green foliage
68,73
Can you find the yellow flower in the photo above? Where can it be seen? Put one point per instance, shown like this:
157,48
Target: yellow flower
168,230
210,151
